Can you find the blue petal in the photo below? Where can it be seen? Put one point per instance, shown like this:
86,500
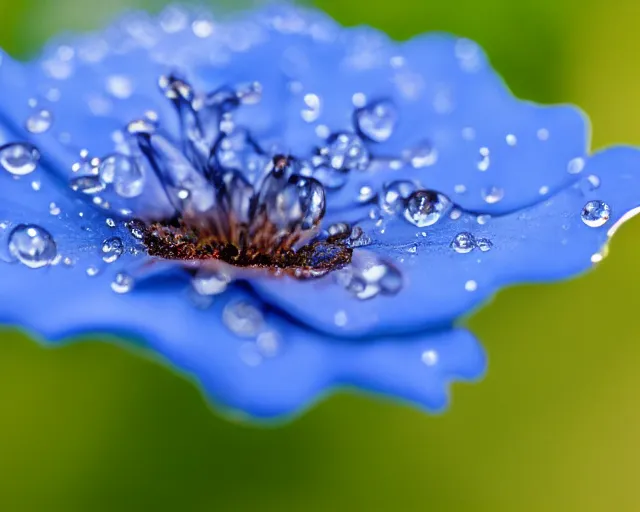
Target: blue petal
445,92
279,370
545,242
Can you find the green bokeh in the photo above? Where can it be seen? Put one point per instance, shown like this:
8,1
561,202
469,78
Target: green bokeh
553,427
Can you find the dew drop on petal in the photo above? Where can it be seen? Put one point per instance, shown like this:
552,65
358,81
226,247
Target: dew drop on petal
425,207
595,213
423,155
311,112
122,283
137,228
377,121
365,194
484,244
430,357
112,249
32,245
485,159
394,195
242,319
492,195
39,122
87,184
346,151
463,243
576,165
209,282
19,158
92,271
124,174
471,285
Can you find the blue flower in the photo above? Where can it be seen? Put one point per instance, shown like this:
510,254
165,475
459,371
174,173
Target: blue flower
278,206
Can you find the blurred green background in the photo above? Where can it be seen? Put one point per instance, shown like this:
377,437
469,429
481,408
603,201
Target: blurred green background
554,426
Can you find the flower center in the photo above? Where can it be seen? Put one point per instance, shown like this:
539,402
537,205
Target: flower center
233,201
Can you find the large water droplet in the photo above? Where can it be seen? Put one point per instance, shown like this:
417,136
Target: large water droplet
595,213
425,207
377,121
32,245
463,243
242,319
124,174
39,122
19,158
346,151
112,249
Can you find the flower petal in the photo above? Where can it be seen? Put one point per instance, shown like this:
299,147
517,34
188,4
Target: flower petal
447,97
545,242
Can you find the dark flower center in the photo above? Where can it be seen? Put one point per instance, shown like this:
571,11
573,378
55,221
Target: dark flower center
233,201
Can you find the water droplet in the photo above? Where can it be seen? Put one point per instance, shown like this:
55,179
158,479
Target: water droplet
543,134
492,195
54,209
346,151
459,189
36,185
544,190
483,219
92,271
366,194
430,357
202,28
471,285
511,139
112,249
124,174
485,159
368,277
589,184
87,184
110,222
394,195
39,122
576,165
484,244
210,282
242,318
19,158
137,228
425,207
339,228
32,245
340,318
312,110
377,121
595,213
249,94
119,86
122,283
455,214
463,243
358,238
423,155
